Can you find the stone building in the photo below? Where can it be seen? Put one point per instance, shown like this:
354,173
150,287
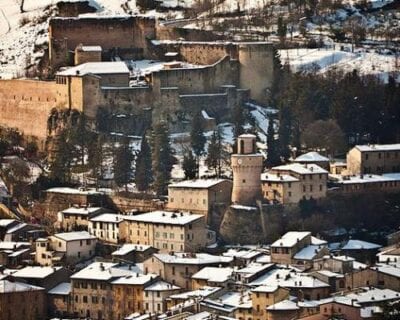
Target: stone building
199,196
178,268
298,247
75,218
22,301
264,296
156,295
375,158
108,291
166,231
293,182
85,54
246,166
59,300
106,227
67,247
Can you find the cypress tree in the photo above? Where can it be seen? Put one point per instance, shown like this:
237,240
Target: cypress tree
144,171
272,145
123,164
215,153
189,165
163,159
198,140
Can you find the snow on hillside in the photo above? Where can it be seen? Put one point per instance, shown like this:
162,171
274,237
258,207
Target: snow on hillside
325,59
18,40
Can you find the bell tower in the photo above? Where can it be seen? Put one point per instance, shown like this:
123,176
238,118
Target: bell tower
247,166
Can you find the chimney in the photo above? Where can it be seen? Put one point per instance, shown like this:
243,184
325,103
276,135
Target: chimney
102,266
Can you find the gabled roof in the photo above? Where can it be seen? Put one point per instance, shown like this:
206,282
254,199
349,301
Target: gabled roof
75,236
311,157
289,239
8,286
165,217
301,168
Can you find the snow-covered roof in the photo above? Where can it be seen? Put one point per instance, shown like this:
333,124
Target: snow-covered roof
35,272
129,247
108,217
374,295
301,168
105,271
360,245
165,217
11,245
317,241
65,190
135,279
328,273
74,236
388,269
200,292
242,207
197,184
242,254
214,274
15,228
90,48
308,253
311,157
81,210
365,178
192,258
269,289
8,286
283,306
64,288
274,177
379,147
161,286
6,222
288,278
289,239
107,67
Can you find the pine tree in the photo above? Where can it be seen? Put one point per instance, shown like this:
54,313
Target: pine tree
144,171
215,153
81,137
273,157
189,165
163,159
237,120
123,164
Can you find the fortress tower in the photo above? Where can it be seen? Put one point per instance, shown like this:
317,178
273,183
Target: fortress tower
246,166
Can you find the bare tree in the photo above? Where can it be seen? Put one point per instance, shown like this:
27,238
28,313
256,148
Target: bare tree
21,5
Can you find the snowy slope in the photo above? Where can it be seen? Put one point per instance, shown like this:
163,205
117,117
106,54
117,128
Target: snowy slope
365,62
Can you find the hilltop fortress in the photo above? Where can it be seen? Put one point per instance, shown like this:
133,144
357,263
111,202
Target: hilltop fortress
133,65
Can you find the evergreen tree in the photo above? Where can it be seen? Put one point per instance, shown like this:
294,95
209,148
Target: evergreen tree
285,131
123,164
189,165
60,166
273,157
163,159
81,138
144,171
215,153
198,140
237,120
96,157
282,29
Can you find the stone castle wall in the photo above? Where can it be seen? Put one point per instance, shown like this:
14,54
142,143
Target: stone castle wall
65,34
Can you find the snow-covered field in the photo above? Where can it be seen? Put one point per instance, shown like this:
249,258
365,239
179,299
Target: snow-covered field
325,59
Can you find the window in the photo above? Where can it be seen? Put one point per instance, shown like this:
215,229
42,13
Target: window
244,180
84,299
173,270
304,188
88,242
290,194
171,236
80,243
310,188
290,184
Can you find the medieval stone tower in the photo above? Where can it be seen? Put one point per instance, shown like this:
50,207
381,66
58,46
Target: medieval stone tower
246,166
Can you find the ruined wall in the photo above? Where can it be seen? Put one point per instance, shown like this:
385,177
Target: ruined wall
65,34
73,9
170,32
